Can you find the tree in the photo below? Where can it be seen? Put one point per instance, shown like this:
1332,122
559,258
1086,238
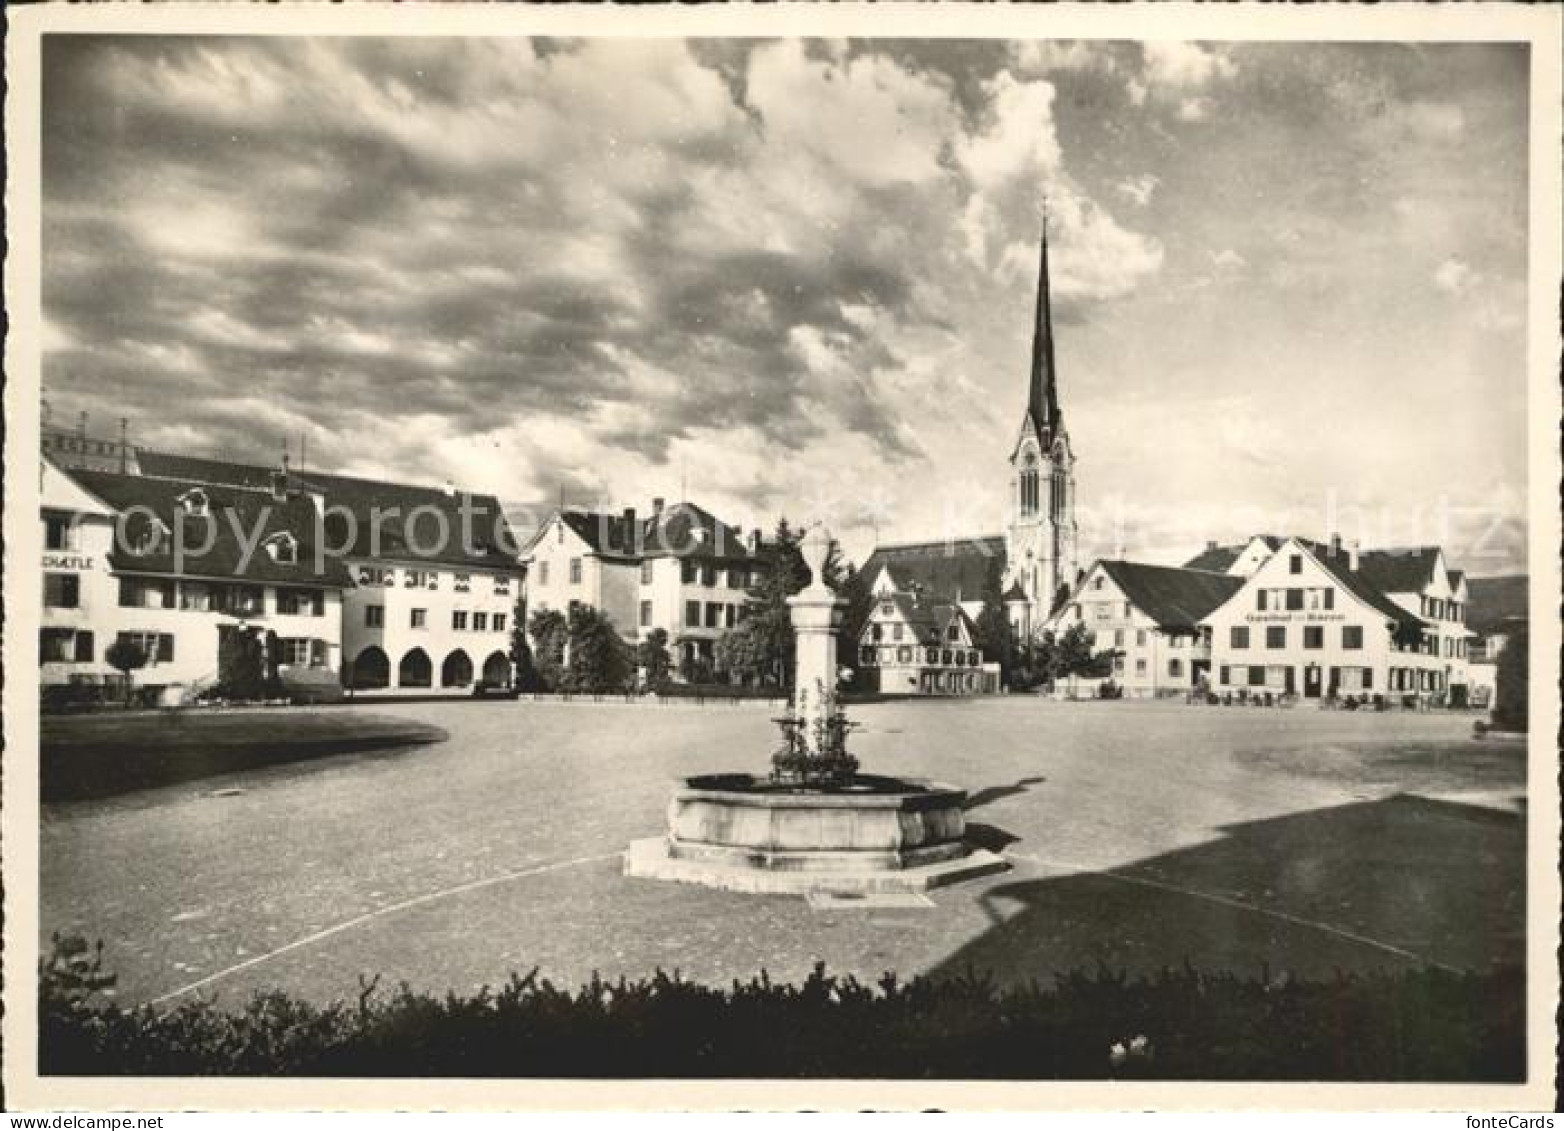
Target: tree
994,633
597,658
549,634
241,662
741,655
125,656
854,586
781,572
1510,700
527,678
652,656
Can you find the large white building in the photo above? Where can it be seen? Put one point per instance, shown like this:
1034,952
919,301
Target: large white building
1318,620
433,576
679,569
191,561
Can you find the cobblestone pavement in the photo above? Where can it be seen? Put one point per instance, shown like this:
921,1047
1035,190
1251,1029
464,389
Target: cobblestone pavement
1142,834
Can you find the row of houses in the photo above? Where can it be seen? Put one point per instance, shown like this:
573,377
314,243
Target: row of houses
1271,616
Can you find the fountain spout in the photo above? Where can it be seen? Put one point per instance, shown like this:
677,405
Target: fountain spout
814,750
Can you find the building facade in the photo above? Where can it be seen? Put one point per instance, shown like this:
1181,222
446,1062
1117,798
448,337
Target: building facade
1147,618
1497,610
1324,620
679,569
433,576
173,565
914,646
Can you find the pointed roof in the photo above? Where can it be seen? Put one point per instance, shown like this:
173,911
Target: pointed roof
1042,406
951,570
1177,599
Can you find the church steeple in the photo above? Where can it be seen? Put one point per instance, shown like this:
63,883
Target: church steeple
1043,396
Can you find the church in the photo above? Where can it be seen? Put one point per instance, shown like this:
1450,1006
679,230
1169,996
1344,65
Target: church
1033,563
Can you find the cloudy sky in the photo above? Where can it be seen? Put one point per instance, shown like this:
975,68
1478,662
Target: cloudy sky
797,276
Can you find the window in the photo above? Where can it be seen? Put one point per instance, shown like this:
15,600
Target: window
1276,636
932,656
575,571
195,596
1176,668
736,578
1330,598
145,593
501,586
1104,611
1140,638
59,532
689,572
1225,674
866,654
543,573
418,618
480,622
1118,638
896,630
646,614
374,616
158,647
887,608
294,651
713,614
692,613
954,632
1294,600
459,619
194,503
1276,677
1238,636
283,549
945,656
1256,676
1295,563
709,576
56,645
904,655
1260,599
499,622
61,590
1140,666
1352,636
877,631
1097,582
1313,636
242,600
301,602
1129,610
463,582
646,572
730,615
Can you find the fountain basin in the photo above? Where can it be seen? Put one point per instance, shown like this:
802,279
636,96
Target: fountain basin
866,834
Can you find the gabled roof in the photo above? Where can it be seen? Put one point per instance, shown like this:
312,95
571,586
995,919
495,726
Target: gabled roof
222,556
1338,565
1219,559
407,529
1176,599
929,620
683,530
955,570
1494,602
1406,569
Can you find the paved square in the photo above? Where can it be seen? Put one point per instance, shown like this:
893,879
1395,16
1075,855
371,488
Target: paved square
1142,835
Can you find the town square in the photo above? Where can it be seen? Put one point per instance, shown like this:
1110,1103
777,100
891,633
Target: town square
993,558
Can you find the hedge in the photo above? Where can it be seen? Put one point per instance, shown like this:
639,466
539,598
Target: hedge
1417,1025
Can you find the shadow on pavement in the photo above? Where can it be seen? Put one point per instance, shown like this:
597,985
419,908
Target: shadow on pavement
990,794
1392,883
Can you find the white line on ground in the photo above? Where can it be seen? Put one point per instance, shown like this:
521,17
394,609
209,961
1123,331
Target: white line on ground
1237,905
381,912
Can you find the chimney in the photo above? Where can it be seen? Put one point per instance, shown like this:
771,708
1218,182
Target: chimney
657,507
124,445
449,489
754,540
81,424
632,531
280,483
1211,544
1352,555
1335,544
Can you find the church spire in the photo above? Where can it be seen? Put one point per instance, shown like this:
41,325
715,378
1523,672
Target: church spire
1043,397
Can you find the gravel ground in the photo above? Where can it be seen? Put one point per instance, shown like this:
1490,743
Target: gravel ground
1142,834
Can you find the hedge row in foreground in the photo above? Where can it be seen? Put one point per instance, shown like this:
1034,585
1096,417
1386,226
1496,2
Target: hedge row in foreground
1180,1024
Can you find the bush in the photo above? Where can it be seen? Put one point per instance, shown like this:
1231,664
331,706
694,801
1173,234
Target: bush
1179,1024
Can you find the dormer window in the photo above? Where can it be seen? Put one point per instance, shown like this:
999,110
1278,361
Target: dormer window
283,549
143,534
195,503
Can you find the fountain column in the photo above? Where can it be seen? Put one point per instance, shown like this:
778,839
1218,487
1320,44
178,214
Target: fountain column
816,613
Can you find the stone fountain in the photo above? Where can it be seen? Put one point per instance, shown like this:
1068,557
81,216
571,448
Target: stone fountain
814,823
